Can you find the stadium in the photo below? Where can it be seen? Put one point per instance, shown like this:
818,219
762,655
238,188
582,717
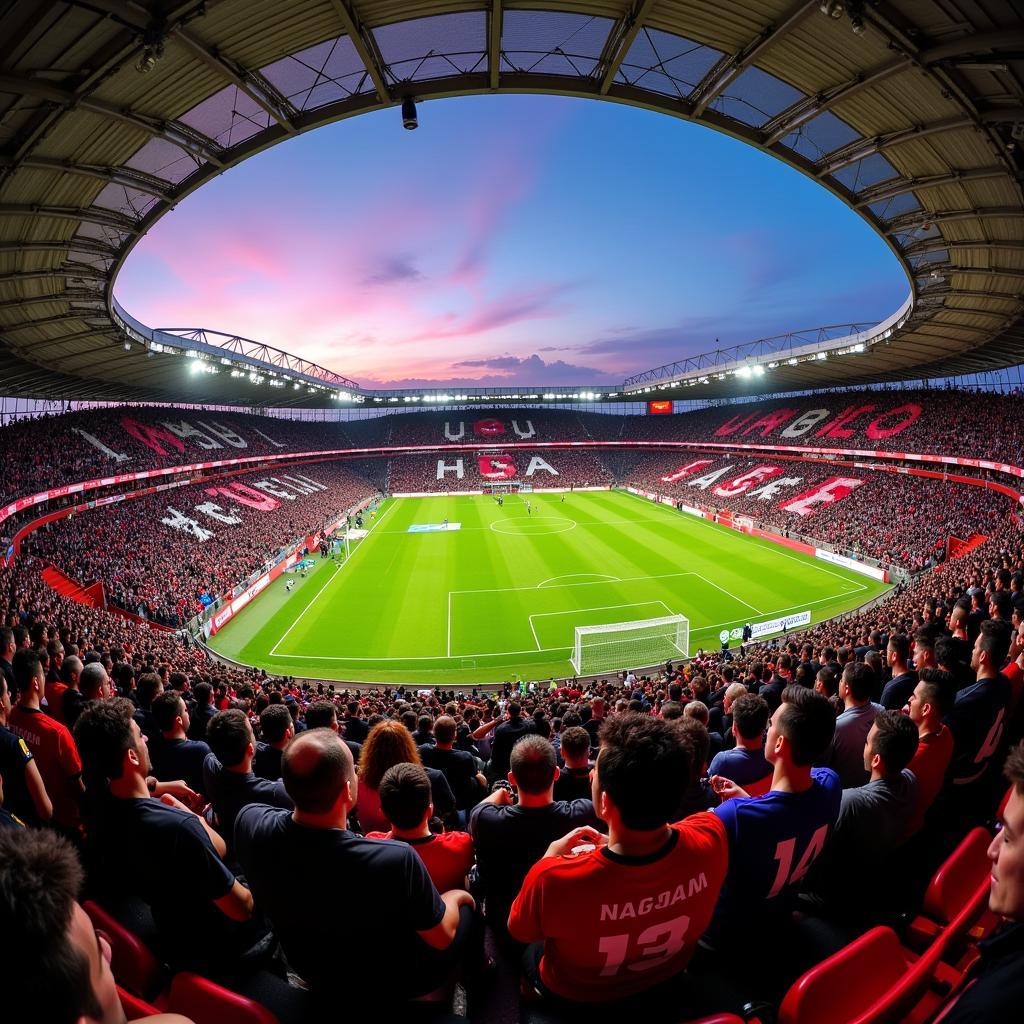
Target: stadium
691,691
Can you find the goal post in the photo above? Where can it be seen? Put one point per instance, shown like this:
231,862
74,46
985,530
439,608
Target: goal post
622,645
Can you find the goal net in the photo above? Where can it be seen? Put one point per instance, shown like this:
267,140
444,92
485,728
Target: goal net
622,645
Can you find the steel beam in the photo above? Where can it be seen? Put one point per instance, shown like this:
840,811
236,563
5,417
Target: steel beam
620,39
807,109
366,47
861,148
728,70
188,139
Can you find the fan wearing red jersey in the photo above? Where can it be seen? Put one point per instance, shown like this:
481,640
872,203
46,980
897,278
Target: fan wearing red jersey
405,801
620,916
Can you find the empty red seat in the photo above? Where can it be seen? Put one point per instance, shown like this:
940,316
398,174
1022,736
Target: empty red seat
204,1002
956,896
133,964
874,980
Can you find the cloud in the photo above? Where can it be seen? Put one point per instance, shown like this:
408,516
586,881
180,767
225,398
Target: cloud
398,268
506,371
511,308
534,368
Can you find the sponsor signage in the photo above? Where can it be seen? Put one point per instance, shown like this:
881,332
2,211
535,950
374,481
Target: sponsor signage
433,527
851,563
769,626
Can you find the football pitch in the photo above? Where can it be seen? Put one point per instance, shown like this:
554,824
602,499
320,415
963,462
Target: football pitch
498,594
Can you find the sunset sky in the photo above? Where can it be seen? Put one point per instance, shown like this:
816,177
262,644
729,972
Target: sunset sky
510,240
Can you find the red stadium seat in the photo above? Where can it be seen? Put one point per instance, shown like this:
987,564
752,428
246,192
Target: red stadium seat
204,1002
957,895
890,982
132,962
134,1008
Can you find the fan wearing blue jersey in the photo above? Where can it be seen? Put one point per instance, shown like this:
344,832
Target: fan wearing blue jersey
775,838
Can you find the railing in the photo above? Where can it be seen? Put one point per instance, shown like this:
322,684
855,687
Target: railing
764,355
248,357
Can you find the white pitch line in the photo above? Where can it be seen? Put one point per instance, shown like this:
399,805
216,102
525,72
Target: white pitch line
325,586
592,583
729,593
543,650
536,640
603,608
811,562
298,618
449,648
605,578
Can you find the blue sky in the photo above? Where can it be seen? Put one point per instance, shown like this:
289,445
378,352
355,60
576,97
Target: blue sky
509,240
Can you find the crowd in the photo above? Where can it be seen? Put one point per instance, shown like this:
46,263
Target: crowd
158,556
898,519
95,443
669,844
424,474
940,428
508,426
582,836
47,450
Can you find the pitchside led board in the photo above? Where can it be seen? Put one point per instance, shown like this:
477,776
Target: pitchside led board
659,408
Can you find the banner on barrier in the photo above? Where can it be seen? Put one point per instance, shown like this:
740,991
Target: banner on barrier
852,563
769,626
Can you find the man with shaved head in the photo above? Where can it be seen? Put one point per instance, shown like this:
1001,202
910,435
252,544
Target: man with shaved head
394,915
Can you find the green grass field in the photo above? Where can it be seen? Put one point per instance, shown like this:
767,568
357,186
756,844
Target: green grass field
500,597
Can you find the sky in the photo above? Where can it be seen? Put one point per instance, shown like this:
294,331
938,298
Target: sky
509,240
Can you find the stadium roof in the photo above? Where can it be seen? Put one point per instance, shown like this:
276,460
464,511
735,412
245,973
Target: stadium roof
911,113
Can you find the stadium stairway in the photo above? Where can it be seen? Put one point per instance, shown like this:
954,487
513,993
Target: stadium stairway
91,595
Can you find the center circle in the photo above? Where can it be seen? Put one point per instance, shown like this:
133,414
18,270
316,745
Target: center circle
524,527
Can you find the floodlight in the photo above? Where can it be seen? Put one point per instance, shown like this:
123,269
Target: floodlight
409,119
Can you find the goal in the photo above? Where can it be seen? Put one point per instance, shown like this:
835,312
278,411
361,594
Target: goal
622,645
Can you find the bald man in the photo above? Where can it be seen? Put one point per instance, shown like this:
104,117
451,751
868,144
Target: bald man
392,915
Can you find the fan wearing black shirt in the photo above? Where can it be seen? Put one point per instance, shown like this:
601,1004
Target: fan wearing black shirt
355,727
203,919
202,712
176,756
458,767
573,782
506,735
897,691
276,730
228,779
395,915
510,837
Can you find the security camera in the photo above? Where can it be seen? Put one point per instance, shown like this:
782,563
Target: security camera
409,120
